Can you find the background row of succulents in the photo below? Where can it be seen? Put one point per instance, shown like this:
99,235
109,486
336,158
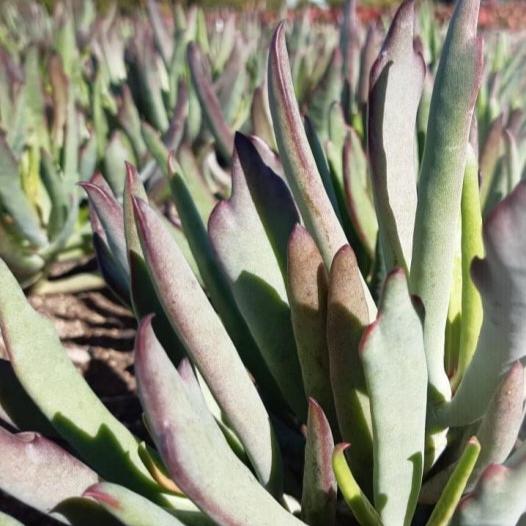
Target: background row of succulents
234,281
82,93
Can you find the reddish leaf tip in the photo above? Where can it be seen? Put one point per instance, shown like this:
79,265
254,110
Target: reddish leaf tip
341,447
96,493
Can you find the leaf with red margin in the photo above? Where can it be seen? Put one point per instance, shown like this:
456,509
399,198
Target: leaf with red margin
498,497
347,315
307,290
206,340
197,455
298,161
218,288
501,424
109,213
318,500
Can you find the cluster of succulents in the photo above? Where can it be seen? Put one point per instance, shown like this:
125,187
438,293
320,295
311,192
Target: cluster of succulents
330,309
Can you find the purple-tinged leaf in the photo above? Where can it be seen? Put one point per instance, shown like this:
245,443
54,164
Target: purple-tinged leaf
38,472
217,287
347,315
163,40
209,102
109,213
318,500
501,280
206,340
501,424
307,289
252,251
499,495
296,155
142,291
370,50
197,455
397,79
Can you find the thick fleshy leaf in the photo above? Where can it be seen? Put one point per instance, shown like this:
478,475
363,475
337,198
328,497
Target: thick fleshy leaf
206,341
201,195
499,495
298,161
260,116
307,289
130,120
472,247
38,472
118,151
163,39
16,408
55,386
359,504
217,286
129,507
501,424
359,202
392,352
253,256
143,296
109,213
501,280
209,102
109,268
447,503
318,500
326,92
25,220
197,455
347,316
397,79
440,184
489,156
323,166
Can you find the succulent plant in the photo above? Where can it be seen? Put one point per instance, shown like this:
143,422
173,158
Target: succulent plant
344,322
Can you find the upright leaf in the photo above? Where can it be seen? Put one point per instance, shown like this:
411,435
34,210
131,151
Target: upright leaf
397,79
439,193
392,352
206,341
197,456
